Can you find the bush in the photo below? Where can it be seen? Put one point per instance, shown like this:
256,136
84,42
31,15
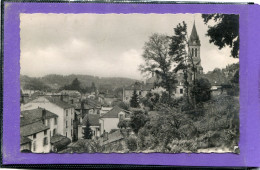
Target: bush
138,120
131,143
201,90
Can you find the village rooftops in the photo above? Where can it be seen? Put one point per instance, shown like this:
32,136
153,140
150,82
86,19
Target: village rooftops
35,115
93,103
59,102
140,86
113,113
60,141
93,120
32,128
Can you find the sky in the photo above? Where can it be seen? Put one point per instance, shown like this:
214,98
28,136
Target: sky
104,45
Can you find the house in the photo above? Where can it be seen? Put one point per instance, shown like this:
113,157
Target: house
140,88
111,119
94,125
71,93
39,114
105,110
109,99
45,117
35,135
65,112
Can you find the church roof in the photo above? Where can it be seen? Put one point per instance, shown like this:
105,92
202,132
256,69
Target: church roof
194,38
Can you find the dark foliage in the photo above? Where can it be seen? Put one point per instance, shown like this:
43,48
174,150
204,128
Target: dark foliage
87,131
138,120
131,144
134,100
123,124
201,90
225,33
151,100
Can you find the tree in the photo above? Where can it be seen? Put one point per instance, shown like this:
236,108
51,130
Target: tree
158,60
183,59
87,130
201,90
75,85
134,100
122,124
225,32
93,87
138,120
151,100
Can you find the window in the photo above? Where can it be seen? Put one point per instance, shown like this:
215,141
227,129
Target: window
66,123
45,132
94,133
181,91
34,146
54,131
55,121
140,93
45,141
66,134
196,52
192,52
126,98
67,112
71,122
48,122
34,136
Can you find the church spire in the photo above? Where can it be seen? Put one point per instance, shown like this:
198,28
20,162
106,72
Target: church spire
194,38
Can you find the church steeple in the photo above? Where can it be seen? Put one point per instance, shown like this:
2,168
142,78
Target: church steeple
194,48
194,38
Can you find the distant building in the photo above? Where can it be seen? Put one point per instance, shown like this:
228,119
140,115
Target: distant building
94,125
140,88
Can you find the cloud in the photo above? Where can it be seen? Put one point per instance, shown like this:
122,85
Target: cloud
101,44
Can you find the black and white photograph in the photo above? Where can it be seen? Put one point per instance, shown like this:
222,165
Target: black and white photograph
129,83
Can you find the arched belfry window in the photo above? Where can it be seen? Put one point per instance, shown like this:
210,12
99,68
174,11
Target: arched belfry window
192,52
196,52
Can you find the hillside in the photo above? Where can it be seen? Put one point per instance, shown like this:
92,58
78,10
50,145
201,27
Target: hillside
54,81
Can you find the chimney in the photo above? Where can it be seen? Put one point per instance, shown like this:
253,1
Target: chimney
43,116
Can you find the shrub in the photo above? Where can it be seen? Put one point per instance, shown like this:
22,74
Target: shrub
201,90
138,120
131,143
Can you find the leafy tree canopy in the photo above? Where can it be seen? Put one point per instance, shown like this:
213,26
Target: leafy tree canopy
158,60
225,32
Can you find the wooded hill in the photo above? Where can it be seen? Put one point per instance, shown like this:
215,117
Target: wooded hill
54,81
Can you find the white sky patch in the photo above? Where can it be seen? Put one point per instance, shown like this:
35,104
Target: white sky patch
104,45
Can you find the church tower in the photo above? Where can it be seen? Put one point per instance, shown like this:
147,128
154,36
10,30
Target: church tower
194,49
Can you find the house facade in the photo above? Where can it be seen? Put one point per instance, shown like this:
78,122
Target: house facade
39,126
65,112
39,136
111,119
